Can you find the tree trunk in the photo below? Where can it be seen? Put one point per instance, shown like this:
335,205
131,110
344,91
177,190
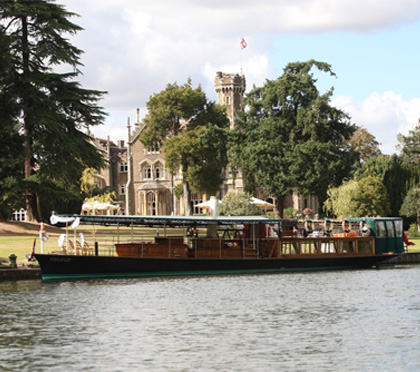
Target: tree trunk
280,206
187,204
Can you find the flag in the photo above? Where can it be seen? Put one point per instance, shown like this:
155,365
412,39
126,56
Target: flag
243,43
75,223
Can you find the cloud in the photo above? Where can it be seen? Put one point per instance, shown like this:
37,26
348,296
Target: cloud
133,48
384,115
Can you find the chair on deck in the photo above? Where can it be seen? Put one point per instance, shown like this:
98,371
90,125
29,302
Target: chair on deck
83,246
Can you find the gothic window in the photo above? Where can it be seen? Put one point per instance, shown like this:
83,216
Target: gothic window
151,204
227,101
158,170
146,171
154,148
122,189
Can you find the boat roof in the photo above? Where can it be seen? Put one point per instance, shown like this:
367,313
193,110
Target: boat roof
174,221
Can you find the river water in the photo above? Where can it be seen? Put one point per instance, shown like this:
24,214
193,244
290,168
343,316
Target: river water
367,320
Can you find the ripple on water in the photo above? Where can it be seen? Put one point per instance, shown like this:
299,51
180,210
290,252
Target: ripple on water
324,321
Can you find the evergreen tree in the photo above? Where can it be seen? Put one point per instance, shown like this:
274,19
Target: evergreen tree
290,138
411,205
11,145
410,146
52,108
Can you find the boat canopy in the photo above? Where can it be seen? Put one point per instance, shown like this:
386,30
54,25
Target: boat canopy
177,221
388,232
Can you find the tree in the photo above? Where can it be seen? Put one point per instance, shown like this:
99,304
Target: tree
372,198
11,145
364,144
238,204
290,138
411,205
52,108
396,175
194,135
365,197
341,199
410,146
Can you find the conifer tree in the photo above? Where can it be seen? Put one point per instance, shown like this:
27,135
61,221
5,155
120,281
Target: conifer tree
53,111
290,138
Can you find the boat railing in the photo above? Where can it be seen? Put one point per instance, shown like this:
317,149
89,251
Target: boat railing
316,246
241,247
218,247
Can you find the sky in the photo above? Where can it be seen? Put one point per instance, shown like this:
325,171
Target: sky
134,48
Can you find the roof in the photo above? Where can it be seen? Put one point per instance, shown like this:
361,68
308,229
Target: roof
173,221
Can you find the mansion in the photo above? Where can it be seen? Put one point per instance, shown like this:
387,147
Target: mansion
144,186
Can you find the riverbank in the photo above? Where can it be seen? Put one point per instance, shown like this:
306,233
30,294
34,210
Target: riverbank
19,273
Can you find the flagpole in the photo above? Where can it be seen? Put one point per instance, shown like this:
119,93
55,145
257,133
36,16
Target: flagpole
241,61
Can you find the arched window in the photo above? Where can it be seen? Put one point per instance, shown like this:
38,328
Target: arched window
158,170
151,204
146,171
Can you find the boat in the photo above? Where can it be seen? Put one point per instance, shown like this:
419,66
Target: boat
227,245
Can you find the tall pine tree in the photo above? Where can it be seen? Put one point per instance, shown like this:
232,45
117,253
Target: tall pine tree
53,110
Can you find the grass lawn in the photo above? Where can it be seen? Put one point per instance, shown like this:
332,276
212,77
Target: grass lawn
21,245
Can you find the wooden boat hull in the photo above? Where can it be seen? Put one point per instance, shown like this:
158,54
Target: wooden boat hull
64,267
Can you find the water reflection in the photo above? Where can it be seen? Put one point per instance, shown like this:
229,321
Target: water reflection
326,321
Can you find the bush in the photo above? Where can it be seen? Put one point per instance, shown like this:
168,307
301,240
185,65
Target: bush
413,231
290,212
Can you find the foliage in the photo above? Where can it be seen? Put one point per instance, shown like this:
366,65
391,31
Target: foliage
409,146
51,108
11,145
170,110
366,197
91,192
395,174
341,199
411,205
238,204
413,231
200,153
107,197
290,212
194,134
372,198
364,144
291,138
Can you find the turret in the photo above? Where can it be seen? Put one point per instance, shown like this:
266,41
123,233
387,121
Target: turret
230,89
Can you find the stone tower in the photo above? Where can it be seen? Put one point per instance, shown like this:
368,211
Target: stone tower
230,89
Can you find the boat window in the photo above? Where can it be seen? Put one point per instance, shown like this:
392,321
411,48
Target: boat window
390,228
380,229
398,228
